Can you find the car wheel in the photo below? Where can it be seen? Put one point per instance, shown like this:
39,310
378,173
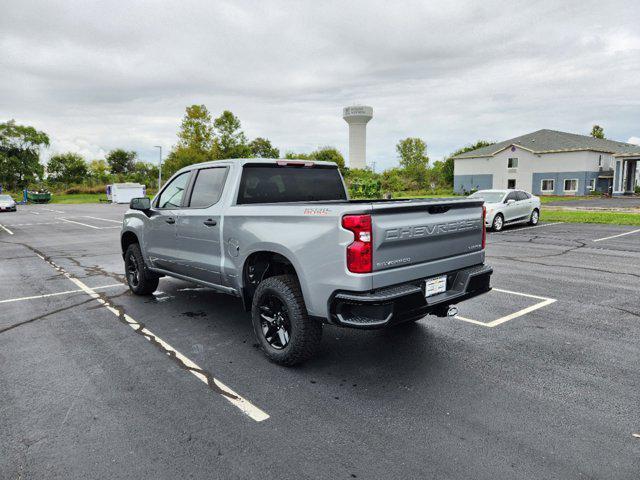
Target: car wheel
285,332
535,217
498,223
141,281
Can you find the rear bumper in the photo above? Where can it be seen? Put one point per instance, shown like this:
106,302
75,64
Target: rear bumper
405,302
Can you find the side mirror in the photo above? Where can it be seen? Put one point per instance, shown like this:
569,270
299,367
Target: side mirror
510,201
141,203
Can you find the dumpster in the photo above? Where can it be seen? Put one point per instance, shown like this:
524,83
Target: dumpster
39,196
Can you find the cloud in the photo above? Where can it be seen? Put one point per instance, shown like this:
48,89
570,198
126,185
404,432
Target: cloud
634,140
102,75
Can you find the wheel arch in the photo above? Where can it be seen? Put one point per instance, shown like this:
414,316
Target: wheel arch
260,265
127,238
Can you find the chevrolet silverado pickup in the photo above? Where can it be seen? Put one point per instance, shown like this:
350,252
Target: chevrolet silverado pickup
284,237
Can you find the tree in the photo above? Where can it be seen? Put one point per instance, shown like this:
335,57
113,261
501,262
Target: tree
413,158
196,131
182,157
328,154
230,141
67,168
323,154
121,161
99,171
20,154
145,173
597,131
262,148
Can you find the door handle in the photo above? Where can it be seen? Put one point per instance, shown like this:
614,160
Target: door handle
170,220
210,223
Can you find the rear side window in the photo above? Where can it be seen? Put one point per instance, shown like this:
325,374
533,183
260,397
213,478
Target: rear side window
512,196
522,196
277,184
208,186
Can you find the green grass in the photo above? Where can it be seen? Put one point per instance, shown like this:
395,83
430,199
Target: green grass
78,198
613,218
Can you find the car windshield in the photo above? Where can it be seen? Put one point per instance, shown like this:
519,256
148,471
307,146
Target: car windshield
489,197
5,198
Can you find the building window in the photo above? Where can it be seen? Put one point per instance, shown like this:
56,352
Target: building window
548,185
511,183
599,160
512,163
571,185
592,185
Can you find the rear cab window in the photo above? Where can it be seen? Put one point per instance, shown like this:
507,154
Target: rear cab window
275,183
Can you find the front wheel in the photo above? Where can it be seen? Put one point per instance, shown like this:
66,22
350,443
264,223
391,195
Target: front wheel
284,330
141,281
498,223
535,217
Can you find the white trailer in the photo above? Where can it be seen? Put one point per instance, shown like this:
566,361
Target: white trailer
124,192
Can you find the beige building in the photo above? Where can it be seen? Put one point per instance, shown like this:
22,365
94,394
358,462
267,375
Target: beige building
548,162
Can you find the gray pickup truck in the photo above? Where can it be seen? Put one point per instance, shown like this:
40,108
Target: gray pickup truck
284,237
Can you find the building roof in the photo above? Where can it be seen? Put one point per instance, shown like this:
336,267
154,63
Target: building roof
551,141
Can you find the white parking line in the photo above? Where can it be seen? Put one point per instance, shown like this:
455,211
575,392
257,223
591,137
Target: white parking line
527,228
227,393
35,213
616,236
545,301
104,219
79,223
52,210
6,229
32,224
46,295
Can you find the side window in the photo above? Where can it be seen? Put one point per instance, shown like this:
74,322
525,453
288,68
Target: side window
171,196
511,196
208,186
522,195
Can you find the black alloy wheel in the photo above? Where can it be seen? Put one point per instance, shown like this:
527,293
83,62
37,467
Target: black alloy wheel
274,320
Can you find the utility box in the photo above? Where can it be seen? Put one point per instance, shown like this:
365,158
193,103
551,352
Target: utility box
124,192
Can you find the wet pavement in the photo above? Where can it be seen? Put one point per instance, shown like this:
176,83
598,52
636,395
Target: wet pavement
536,379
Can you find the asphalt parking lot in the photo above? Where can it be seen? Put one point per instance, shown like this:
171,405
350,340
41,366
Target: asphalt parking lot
537,379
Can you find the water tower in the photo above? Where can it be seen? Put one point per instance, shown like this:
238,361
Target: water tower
357,117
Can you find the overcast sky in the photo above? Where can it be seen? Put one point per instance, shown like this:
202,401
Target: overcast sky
102,75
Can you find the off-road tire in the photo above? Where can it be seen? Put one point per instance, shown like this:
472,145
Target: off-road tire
535,213
147,281
306,333
500,224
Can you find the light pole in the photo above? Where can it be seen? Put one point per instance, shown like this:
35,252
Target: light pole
159,167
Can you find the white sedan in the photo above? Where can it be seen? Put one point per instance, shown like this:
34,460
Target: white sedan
506,207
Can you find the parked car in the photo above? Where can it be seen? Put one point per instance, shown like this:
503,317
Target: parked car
507,207
284,237
7,204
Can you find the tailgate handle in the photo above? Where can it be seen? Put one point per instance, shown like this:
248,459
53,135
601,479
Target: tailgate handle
438,209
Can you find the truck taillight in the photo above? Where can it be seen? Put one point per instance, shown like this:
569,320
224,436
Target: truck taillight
484,227
359,254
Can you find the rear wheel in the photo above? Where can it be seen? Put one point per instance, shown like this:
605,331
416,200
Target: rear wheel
284,330
141,281
535,217
498,223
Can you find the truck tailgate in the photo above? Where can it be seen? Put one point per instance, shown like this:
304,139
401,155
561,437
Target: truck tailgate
419,231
